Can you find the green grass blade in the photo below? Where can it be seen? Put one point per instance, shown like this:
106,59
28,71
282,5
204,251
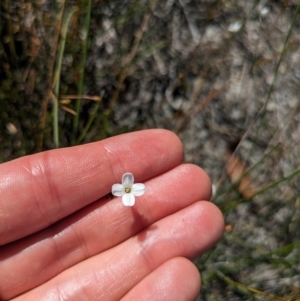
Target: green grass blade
283,52
89,123
57,72
81,72
274,184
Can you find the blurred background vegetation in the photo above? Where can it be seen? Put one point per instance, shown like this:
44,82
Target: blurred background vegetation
224,75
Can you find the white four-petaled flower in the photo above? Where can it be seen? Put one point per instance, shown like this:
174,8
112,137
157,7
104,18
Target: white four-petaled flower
128,190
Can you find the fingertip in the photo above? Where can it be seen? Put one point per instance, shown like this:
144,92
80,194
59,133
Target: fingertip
218,219
182,267
176,279
164,139
212,222
200,178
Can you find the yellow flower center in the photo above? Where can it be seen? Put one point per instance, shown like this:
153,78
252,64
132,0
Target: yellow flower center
127,189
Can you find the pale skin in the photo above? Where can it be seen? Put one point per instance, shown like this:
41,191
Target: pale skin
62,237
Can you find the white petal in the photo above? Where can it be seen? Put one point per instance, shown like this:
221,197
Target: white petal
128,199
117,190
127,179
235,27
138,189
265,10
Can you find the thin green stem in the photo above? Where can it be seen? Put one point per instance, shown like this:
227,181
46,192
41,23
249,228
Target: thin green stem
230,187
260,115
247,288
49,93
81,74
89,123
55,88
261,160
274,184
283,52
57,72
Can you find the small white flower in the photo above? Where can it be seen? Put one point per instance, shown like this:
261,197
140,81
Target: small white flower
127,190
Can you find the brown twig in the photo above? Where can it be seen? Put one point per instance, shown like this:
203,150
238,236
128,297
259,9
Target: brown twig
194,109
88,97
130,57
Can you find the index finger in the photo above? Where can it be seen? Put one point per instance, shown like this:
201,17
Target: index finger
38,190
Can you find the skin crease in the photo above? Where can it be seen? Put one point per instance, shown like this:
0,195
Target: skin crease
63,239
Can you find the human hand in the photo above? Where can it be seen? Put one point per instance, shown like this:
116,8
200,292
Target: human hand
63,238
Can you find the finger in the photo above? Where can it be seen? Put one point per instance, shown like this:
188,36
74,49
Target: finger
96,228
176,280
112,274
38,190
